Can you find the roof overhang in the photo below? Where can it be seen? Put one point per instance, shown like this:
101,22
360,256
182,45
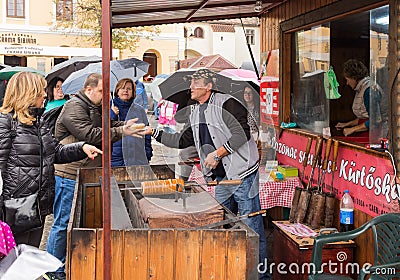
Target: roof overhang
131,13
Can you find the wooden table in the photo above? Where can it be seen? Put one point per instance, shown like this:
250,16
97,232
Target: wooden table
292,255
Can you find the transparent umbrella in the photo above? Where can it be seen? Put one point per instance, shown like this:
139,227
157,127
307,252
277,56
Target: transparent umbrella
131,68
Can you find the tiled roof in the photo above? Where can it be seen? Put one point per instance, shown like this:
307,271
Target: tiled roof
215,62
222,28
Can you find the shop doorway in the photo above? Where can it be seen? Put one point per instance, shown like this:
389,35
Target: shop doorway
151,58
58,60
14,60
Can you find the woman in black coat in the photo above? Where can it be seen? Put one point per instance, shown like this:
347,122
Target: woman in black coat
28,152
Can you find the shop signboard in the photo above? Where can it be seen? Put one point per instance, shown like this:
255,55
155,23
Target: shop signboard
369,179
269,95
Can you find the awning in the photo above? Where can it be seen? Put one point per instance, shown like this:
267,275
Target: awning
131,13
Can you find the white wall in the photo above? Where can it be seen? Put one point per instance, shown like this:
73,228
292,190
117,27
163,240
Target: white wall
242,52
201,45
225,47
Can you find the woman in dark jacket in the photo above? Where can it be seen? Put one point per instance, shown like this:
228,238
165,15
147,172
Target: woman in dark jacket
130,150
28,150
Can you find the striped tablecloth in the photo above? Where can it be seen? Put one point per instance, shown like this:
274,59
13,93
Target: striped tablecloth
271,193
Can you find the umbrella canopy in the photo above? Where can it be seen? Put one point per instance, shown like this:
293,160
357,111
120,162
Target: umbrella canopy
64,69
3,66
7,72
154,86
241,74
131,68
176,88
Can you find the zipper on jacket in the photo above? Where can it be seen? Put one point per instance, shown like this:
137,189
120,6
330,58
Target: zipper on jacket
40,156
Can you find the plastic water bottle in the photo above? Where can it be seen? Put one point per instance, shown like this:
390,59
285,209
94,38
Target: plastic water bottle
346,212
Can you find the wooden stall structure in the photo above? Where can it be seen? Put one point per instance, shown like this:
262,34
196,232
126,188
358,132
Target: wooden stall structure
279,29
143,252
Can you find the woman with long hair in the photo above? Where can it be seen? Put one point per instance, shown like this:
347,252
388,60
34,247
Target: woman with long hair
28,152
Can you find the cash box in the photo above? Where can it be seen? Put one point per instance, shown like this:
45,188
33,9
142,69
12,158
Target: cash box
288,170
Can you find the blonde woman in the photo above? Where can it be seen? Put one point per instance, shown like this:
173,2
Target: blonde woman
28,152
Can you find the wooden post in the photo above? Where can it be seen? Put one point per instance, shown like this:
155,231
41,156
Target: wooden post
106,174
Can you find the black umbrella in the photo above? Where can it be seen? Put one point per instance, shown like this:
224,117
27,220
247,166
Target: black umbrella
64,69
140,67
176,88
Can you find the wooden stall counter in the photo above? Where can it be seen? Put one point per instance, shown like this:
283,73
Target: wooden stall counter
292,254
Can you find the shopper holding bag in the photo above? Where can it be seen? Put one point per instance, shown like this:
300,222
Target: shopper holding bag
28,152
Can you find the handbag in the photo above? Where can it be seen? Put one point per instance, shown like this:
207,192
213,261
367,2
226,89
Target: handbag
22,214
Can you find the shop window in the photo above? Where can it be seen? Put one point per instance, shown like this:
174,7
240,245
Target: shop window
250,36
309,106
41,64
198,32
16,8
64,10
317,49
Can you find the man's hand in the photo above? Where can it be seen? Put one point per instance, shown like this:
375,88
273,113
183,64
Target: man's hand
148,130
210,162
129,130
91,151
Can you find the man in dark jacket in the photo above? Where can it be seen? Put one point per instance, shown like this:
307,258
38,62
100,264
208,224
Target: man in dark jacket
78,122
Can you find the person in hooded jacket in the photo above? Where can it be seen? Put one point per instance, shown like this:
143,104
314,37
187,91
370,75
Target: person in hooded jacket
28,150
130,150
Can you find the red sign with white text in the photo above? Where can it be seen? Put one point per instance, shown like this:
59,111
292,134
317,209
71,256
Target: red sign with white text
269,95
369,179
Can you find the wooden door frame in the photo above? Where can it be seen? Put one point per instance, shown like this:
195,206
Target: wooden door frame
322,15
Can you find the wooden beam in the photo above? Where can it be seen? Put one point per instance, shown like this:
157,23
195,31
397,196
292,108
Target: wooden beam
202,5
128,10
180,20
330,12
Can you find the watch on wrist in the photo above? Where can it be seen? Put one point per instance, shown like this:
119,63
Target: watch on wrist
216,157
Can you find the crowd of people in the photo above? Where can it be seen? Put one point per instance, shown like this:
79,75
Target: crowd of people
222,130
40,165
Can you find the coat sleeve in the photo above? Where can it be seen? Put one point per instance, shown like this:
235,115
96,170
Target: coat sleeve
77,121
69,153
5,140
178,140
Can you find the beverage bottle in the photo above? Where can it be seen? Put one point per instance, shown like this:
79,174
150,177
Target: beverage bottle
346,212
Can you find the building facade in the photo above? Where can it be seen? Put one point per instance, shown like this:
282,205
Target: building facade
29,37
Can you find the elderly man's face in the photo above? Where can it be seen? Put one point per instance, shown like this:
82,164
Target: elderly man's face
200,91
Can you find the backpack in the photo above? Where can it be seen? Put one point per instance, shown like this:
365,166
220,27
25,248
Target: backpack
50,117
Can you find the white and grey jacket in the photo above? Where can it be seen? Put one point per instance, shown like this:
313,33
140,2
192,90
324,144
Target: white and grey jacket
228,127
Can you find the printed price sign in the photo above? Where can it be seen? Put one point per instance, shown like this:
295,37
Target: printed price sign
269,94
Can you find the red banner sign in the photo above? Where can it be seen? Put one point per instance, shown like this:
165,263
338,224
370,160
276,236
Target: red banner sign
369,179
